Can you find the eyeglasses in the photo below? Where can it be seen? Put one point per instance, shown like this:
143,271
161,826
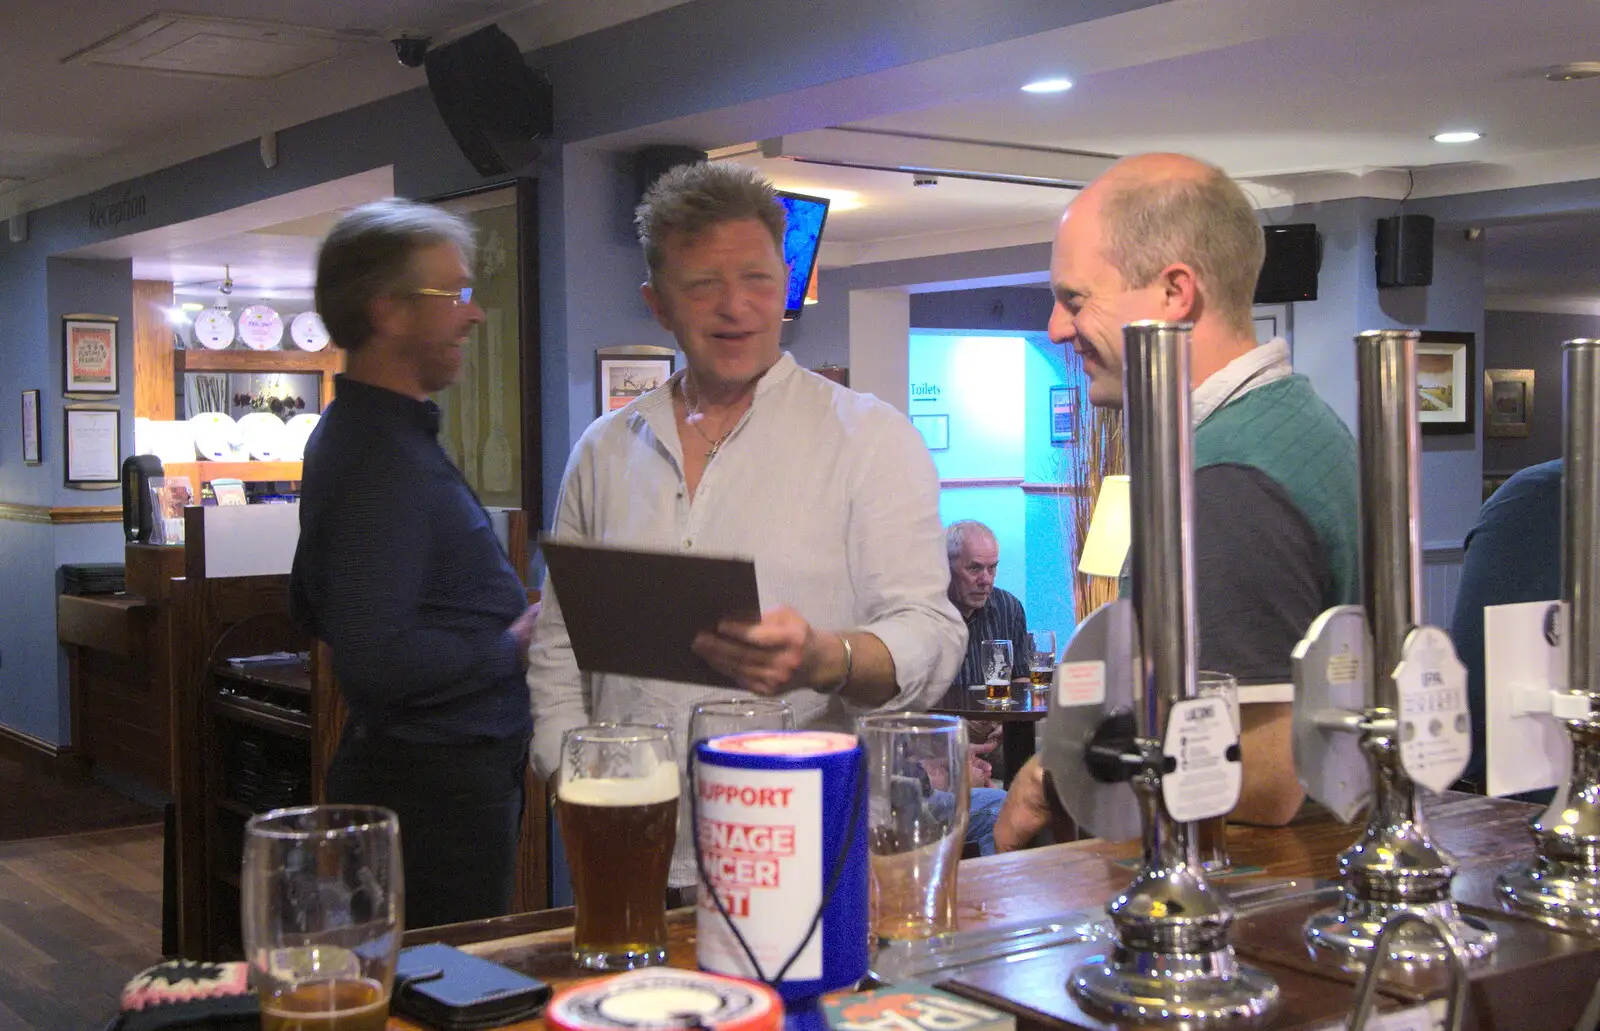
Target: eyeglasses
457,297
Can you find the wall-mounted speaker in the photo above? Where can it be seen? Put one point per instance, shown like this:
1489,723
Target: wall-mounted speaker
17,227
496,107
1405,250
651,163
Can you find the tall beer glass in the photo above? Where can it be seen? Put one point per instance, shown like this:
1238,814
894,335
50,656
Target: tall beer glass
997,667
1041,664
736,716
918,795
1212,835
322,914
618,807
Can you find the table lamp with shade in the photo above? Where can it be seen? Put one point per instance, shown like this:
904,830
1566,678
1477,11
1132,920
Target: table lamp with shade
1105,546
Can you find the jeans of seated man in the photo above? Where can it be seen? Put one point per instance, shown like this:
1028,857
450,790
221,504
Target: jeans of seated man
983,810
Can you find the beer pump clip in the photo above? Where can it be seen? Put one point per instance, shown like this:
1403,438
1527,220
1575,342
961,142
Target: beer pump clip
1131,747
1333,677
1380,700
1527,702
1093,751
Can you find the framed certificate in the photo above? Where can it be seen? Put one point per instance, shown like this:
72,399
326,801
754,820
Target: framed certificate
89,362
31,427
93,446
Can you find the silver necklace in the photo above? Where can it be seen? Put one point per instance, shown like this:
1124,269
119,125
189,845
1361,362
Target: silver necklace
693,417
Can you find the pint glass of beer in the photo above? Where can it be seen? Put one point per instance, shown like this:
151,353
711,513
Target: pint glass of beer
617,804
918,796
1042,664
1212,834
997,667
322,915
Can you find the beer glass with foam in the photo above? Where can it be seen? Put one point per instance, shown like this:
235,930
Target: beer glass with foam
918,796
322,914
617,803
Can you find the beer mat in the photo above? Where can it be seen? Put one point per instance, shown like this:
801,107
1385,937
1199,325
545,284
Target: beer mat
636,613
910,1005
1236,870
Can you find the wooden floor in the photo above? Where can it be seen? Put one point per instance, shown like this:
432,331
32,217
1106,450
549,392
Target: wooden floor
79,915
80,899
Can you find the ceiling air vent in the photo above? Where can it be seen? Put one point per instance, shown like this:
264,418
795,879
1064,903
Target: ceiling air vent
235,48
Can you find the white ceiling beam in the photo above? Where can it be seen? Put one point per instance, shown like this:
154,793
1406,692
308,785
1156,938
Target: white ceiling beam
856,148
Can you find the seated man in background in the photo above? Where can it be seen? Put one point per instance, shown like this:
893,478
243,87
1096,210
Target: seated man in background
1169,237
991,614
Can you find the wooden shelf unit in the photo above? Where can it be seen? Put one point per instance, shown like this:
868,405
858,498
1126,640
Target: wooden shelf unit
325,364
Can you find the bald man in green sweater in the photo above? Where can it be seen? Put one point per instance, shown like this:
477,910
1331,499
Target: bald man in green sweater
1165,236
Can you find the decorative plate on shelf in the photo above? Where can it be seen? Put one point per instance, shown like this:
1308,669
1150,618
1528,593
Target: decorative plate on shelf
217,437
265,436
297,433
260,328
308,332
213,328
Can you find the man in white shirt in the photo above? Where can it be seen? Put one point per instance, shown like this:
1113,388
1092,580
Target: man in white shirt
833,493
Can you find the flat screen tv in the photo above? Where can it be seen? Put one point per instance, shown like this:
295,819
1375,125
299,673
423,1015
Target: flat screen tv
1289,273
800,240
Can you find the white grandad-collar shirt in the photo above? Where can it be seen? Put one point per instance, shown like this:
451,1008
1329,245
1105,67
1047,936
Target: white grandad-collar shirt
832,493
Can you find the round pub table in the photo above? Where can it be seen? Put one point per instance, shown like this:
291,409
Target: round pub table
1016,723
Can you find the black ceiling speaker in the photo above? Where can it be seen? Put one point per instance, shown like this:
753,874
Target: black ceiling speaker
1405,250
651,163
497,108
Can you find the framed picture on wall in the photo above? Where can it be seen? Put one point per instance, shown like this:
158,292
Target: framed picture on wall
31,428
1507,402
1445,402
622,374
1063,415
89,360
935,430
93,446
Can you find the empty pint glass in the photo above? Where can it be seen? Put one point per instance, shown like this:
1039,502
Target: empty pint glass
322,915
918,795
617,804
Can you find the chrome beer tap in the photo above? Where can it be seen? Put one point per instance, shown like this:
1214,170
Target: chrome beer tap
1142,726
1373,683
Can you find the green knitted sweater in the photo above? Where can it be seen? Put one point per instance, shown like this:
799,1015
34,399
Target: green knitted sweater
1291,435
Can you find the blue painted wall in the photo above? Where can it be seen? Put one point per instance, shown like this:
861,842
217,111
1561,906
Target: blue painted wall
694,58
995,390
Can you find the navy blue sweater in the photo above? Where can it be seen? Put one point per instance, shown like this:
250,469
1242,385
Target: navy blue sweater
399,570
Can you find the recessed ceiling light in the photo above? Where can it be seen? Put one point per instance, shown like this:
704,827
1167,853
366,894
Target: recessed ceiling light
1572,71
1048,86
1457,136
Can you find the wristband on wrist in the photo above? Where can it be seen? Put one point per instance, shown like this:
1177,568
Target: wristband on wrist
849,664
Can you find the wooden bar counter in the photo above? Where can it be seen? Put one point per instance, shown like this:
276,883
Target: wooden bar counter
1484,834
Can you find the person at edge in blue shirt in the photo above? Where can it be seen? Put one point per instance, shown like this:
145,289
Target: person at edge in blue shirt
399,571
1513,555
